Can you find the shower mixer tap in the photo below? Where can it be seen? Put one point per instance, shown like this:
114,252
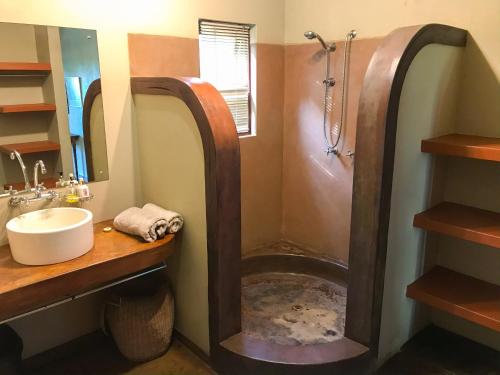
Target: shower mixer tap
332,150
330,82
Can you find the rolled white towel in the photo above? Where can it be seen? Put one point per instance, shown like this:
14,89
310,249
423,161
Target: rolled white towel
175,221
141,223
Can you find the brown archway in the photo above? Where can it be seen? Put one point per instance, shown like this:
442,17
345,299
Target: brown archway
372,188
222,193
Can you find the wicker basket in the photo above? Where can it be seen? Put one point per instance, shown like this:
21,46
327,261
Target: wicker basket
140,316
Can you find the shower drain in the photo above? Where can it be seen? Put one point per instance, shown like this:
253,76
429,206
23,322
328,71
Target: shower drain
297,307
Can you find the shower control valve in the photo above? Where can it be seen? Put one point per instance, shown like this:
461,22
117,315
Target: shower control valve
330,82
332,150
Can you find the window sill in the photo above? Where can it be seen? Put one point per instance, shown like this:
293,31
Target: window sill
244,136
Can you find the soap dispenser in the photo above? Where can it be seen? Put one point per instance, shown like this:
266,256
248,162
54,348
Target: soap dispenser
82,190
71,196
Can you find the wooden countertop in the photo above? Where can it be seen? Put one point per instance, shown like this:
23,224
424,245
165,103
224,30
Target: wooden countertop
114,255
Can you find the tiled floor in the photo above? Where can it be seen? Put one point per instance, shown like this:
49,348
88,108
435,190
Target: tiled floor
96,354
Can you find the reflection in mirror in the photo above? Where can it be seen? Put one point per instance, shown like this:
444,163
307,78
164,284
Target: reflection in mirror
50,105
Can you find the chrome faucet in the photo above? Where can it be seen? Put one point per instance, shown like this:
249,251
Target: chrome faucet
15,154
39,186
39,193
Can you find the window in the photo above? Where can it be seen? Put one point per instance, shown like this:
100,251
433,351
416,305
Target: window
225,63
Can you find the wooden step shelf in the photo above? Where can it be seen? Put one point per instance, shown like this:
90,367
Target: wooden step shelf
460,295
24,68
30,147
467,146
34,107
464,222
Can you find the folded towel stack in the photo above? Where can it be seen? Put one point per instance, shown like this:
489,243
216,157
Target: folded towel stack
174,220
150,222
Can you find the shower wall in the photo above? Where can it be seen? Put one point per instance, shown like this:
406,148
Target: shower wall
261,154
317,188
290,189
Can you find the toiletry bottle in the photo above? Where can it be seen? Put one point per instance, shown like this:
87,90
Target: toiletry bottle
71,196
60,183
82,189
71,184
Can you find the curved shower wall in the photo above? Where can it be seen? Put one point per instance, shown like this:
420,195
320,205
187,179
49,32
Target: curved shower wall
317,188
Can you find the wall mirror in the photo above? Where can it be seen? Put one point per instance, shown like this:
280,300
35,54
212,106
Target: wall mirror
50,105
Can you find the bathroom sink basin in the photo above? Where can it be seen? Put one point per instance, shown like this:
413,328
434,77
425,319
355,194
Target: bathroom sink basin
50,236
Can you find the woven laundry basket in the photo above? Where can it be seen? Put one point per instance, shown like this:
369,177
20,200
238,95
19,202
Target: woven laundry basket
140,316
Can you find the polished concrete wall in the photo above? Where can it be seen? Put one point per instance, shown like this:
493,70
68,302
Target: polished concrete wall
317,188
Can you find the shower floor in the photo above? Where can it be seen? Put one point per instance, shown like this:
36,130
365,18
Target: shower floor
292,309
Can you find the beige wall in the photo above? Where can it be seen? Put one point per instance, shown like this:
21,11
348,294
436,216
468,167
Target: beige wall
427,109
166,123
317,188
113,21
262,154
333,19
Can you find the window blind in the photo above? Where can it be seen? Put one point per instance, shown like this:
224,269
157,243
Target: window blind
225,63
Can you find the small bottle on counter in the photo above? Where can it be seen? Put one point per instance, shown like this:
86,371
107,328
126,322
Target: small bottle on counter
60,183
71,196
82,189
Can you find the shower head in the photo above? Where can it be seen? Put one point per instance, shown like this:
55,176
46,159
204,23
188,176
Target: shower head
352,34
312,35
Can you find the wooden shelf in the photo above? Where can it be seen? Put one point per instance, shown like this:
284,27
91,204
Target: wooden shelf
456,220
30,147
24,68
460,295
35,107
467,146
114,255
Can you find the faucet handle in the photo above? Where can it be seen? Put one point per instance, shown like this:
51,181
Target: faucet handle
12,191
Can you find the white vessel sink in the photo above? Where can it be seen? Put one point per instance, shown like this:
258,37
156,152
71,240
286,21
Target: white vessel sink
50,236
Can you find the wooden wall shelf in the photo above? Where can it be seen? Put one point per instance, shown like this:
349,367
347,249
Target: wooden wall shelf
24,68
467,146
456,220
460,295
34,107
30,147
114,255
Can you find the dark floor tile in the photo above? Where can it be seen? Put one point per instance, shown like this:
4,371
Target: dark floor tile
435,351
